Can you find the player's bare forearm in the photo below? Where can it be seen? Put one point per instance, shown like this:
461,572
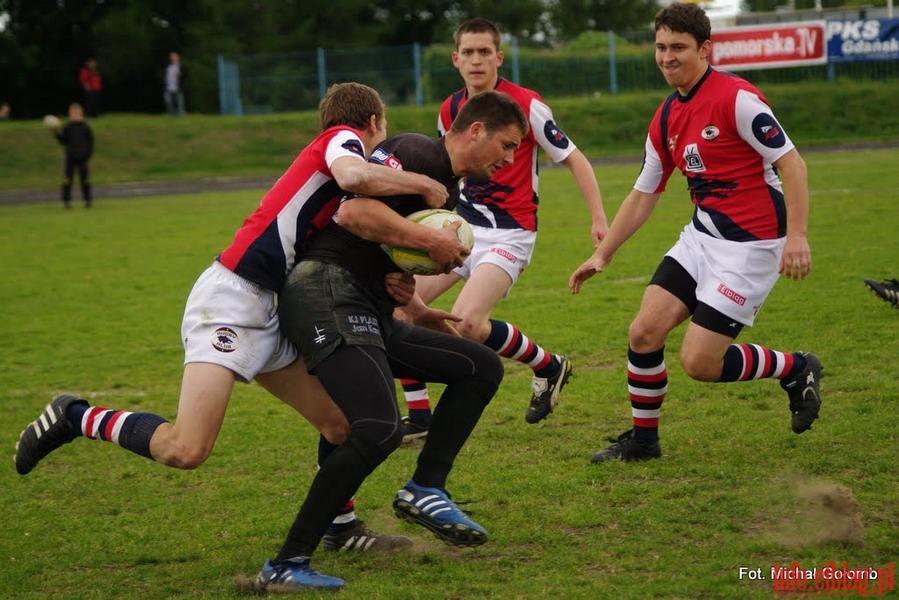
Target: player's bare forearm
374,221
360,177
796,262
585,178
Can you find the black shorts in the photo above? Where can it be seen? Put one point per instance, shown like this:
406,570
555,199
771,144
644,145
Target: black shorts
322,306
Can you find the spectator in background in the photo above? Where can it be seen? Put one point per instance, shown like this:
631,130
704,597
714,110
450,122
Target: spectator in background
174,93
91,84
4,111
78,139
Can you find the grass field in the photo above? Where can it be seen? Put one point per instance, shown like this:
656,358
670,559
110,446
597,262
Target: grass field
92,304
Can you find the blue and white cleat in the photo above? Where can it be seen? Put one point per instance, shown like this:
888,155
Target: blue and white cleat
293,575
433,509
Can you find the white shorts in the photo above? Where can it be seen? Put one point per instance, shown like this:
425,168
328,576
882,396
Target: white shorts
734,278
232,322
509,249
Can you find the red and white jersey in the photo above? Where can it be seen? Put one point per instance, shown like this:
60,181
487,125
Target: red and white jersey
301,203
724,138
510,199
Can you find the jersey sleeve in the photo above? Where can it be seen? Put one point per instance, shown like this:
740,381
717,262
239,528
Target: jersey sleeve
758,127
344,143
547,134
657,163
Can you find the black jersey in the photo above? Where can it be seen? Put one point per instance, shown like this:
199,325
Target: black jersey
78,139
412,152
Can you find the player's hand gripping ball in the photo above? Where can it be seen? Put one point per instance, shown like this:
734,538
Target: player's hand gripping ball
417,262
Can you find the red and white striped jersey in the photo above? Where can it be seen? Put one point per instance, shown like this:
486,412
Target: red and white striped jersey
724,138
510,199
301,203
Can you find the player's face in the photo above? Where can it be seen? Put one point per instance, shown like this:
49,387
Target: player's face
478,61
492,151
681,60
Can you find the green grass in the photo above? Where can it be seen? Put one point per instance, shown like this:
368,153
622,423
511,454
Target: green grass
92,304
158,148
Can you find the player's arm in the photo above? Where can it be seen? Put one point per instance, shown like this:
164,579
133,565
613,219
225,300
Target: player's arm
796,261
634,211
585,177
374,221
370,179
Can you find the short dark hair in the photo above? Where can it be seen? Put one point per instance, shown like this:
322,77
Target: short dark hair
685,17
351,104
477,25
496,110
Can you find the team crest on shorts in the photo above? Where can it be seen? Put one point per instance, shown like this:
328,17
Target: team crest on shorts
224,340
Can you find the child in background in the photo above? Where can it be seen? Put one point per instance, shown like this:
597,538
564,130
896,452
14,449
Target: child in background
78,139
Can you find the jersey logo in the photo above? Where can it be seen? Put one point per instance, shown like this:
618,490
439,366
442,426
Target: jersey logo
710,132
692,159
384,158
555,135
768,131
672,144
354,146
731,295
224,340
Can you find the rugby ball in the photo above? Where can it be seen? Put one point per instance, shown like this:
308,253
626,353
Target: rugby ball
51,122
417,262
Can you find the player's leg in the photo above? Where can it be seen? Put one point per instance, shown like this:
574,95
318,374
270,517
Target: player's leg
472,374
418,400
709,353
66,189
185,444
488,284
84,177
647,375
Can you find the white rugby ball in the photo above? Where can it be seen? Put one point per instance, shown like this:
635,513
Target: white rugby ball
51,121
417,262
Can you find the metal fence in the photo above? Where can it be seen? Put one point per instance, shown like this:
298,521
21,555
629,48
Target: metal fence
411,74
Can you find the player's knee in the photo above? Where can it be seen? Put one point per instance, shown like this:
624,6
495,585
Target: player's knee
488,369
180,455
337,432
377,441
699,367
645,335
473,328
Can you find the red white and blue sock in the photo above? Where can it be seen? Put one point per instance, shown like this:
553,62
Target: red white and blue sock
417,401
744,362
132,431
647,385
507,340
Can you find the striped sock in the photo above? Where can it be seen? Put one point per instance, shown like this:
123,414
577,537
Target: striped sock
507,340
131,431
743,362
417,401
647,384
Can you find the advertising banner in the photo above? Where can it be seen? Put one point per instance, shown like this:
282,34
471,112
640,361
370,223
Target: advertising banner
769,46
862,39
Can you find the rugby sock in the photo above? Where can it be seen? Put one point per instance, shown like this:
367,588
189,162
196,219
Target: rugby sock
347,514
647,384
743,362
417,401
507,340
132,431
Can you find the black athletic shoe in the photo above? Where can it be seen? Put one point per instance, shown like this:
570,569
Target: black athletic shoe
358,538
546,392
888,290
628,448
47,433
413,431
803,390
